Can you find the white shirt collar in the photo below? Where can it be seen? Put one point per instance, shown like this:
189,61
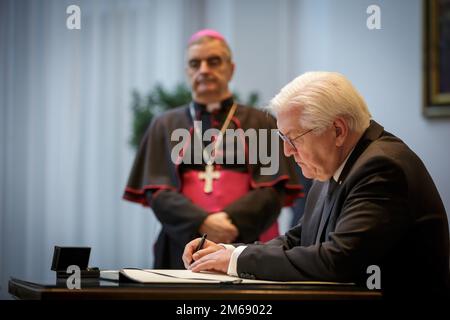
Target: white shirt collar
213,106
338,172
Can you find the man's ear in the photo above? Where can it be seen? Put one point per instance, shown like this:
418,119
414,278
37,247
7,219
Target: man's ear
341,131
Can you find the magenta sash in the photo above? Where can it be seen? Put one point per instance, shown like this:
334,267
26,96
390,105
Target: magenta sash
228,188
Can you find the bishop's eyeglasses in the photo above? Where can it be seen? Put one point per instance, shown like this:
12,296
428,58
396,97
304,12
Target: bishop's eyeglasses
213,62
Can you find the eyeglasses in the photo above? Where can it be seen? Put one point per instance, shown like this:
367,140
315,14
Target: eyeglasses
291,141
212,62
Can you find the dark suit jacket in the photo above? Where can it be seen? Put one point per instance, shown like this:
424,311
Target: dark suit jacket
386,212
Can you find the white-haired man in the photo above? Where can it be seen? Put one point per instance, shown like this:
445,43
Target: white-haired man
372,201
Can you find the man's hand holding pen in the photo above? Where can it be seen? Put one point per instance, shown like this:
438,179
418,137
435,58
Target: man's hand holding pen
201,242
210,256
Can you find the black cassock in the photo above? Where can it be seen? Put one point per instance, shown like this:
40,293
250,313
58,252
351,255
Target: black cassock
159,182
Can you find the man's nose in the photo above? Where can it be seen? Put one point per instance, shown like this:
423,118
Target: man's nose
288,149
204,66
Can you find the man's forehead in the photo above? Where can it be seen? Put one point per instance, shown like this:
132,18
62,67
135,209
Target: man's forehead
288,121
289,112
206,49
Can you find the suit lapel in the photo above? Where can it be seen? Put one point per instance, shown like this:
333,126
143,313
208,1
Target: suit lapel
315,221
328,207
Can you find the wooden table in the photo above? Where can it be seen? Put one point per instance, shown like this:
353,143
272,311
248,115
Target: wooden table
95,289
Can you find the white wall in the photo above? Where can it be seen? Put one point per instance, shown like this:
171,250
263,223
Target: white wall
65,97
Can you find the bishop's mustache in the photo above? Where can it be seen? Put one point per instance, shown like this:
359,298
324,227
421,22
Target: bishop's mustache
205,79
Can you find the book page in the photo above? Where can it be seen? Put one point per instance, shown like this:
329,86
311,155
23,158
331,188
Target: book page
175,276
187,276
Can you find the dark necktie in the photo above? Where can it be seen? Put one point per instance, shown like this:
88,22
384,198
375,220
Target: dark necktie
332,184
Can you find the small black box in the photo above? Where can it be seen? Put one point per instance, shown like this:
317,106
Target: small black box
64,257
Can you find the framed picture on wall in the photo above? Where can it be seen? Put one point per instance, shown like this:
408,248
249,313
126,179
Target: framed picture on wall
437,58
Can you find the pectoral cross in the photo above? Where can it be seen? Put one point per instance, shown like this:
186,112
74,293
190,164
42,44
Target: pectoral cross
208,175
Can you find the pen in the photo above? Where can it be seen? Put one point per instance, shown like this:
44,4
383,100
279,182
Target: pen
201,242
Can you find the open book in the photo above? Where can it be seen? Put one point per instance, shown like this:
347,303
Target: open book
187,276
